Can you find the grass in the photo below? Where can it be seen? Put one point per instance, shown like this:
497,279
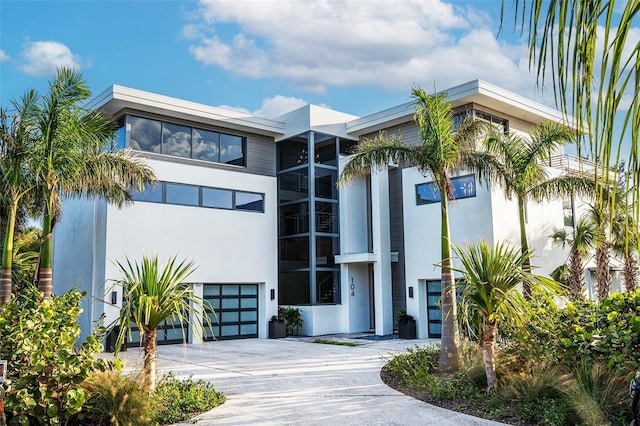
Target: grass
335,342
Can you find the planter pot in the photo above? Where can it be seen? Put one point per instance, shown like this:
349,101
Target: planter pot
277,329
407,330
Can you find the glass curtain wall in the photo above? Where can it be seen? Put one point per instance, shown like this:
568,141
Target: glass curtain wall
308,219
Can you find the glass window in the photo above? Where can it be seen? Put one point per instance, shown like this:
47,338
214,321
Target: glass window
567,211
120,139
327,217
326,249
325,149
293,152
294,253
463,187
294,185
328,287
176,140
294,219
151,193
206,145
145,134
249,201
294,288
177,193
231,150
347,146
326,183
218,198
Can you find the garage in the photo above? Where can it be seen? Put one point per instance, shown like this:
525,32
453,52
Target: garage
236,311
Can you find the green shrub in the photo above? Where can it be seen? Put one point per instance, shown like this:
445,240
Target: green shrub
545,383
552,412
115,399
293,318
416,366
45,369
178,400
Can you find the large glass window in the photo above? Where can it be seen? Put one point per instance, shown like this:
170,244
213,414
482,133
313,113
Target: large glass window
326,249
294,288
292,153
151,193
294,219
176,140
218,198
294,253
231,150
249,201
326,183
294,185
463,187
325,149
145,134
177,193
206,145
328,287
327,217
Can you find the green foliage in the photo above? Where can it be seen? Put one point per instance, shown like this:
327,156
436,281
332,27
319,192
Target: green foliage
416,366
115,399
178,400
293,318
45,369
336,342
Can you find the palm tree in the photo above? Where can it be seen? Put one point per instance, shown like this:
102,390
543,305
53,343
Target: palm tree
17,136
583,239
600,220
625,245
152,295
75,156
491,277
588,48
440,154
517,163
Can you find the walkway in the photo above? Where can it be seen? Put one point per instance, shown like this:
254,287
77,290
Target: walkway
294,382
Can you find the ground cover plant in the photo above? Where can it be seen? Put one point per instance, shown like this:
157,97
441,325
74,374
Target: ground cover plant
335,342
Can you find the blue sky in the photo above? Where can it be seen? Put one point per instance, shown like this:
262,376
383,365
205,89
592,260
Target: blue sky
265,57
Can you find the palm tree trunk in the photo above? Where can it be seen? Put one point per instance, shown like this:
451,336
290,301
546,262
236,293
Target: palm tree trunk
488,355
630,274
524,245
7,256
450,342
603,275
150,355
576,276
45,271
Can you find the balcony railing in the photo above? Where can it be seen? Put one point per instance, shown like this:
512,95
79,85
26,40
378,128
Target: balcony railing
571,164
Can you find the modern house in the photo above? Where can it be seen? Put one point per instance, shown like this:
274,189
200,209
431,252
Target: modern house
254,203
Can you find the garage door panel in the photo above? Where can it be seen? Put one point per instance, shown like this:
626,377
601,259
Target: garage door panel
236,306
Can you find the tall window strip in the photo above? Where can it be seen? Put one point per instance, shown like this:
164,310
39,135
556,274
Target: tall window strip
201,196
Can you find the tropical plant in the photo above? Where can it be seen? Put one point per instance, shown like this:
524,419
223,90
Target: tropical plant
491,278
17,138
600,219
583,238
293,317
441,153
625,245
588,49
517,164
152,294
75,156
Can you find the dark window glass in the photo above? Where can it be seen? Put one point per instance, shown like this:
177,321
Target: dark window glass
176,140
325,149
292,153
249,201
177,193
151,193
567,211
347,146
218,198
294,219
120,140
326,183
294,253
327,217
326,249
294,185
294,288
145,134
231,150
206,145
328,287
463,187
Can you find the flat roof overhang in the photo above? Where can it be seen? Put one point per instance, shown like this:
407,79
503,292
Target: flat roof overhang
118,98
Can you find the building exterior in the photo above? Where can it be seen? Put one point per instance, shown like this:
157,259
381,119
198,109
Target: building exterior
254,203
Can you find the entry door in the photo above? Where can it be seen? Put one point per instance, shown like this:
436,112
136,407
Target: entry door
434,312
236,311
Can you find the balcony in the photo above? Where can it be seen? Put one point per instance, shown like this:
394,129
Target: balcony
573,165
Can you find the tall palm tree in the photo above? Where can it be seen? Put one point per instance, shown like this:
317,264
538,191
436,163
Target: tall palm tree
600,219
17,138
440,153
491,277
588,49
75,156
625,245
151,295
517,164
582,240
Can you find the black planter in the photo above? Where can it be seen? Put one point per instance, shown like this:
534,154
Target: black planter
407,330
277,329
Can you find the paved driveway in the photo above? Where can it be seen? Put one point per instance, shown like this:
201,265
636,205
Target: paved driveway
293,382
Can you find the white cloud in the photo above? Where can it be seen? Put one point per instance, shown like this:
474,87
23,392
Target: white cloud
3,56
272,107
341,43
41,58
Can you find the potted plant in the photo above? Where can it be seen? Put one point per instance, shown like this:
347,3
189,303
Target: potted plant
293,318
406,325
277,327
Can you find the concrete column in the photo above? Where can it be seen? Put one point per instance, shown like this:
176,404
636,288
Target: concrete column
381,236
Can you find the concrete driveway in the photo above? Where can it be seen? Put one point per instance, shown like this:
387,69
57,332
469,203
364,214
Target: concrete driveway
294,381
